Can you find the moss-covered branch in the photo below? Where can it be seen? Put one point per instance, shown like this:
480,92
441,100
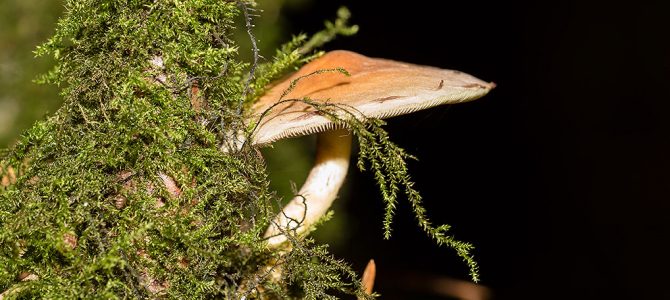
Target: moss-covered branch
90,212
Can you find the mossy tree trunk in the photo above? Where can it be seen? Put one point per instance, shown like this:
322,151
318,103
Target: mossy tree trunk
124,191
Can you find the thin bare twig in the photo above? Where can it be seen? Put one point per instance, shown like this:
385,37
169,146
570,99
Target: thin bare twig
254,49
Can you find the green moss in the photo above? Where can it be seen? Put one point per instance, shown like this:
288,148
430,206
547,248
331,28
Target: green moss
153,89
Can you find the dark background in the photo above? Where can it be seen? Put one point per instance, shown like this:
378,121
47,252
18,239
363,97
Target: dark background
560,176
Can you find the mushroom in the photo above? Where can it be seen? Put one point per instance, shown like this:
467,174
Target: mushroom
375,88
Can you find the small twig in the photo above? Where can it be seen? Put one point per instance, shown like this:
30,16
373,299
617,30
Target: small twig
294,82
254,48
291,220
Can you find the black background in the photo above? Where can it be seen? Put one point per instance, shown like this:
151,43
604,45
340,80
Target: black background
560,176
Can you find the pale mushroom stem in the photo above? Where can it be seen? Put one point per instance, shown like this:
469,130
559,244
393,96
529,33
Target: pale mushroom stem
319,190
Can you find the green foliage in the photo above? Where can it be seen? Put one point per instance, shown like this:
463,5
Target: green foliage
323,273
293,54
339,27
387,162
286,58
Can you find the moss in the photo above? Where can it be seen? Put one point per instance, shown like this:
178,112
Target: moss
124,192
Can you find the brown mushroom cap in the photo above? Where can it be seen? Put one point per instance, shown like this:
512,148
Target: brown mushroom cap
377,88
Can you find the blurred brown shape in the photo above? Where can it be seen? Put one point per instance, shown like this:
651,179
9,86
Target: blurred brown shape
369,275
